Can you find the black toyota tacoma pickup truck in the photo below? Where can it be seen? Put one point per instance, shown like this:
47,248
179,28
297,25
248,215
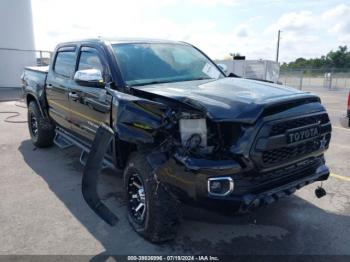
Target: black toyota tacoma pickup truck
183,132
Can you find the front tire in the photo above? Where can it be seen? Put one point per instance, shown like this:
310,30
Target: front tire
41,130
152,211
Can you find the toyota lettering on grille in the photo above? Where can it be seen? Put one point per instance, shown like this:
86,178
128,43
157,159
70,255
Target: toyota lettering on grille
300,134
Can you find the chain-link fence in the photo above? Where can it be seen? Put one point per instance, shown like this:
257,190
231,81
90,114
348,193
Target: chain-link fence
334,78
43,58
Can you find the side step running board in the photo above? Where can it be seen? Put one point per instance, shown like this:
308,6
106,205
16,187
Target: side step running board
84,158
61,142
65,140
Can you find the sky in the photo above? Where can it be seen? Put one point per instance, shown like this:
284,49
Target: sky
309,28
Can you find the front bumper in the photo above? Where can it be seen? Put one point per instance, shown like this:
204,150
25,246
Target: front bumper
270,196
188,180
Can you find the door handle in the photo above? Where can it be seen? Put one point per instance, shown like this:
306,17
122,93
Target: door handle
74,96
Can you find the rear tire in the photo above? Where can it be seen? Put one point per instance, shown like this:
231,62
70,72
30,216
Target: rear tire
152,211
41,130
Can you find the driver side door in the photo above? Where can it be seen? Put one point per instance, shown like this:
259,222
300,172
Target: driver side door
90,105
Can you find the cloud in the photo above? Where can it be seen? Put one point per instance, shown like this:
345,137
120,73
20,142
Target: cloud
242,31
339,19
215,2
340,11
54,22
133,21
304,33
294,22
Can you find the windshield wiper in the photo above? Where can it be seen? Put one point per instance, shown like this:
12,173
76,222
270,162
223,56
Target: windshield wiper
152,83
171,81
201,78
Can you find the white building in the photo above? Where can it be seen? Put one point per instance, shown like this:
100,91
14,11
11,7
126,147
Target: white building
16,41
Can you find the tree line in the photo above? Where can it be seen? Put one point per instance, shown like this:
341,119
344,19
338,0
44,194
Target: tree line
339,59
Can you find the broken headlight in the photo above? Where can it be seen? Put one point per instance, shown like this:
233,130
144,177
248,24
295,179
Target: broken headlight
193,132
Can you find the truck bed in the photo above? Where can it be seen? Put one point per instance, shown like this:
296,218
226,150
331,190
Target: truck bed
42,69
34,79
34,76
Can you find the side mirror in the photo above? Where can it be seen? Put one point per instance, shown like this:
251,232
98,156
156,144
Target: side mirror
223,67
89,77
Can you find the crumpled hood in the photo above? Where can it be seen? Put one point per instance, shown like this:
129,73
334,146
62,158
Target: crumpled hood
227,99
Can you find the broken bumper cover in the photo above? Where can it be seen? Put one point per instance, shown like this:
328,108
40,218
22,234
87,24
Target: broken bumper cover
188,179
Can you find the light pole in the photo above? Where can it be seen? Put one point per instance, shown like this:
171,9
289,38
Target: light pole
278,45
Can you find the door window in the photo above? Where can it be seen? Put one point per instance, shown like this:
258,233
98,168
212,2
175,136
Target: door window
65,63
89,60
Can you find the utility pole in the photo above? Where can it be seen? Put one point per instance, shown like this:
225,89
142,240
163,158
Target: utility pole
278,45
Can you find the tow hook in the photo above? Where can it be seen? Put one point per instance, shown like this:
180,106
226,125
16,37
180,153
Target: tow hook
91,172
320,191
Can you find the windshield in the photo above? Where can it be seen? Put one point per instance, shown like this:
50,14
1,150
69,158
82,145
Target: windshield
143,64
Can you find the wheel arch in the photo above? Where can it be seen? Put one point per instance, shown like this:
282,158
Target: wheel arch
32,98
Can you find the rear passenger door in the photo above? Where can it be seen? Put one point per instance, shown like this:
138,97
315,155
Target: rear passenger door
90,105
59,80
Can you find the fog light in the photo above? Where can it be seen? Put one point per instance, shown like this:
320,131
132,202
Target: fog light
220,186
215,186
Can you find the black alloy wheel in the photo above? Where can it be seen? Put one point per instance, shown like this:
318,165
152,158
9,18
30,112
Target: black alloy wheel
136,198
33,125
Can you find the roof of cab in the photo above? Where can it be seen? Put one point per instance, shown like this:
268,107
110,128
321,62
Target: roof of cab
120,41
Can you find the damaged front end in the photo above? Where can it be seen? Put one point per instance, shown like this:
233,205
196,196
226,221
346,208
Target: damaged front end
223,163
239,164
181,142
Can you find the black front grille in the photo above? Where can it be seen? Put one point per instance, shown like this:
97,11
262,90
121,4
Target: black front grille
284,175
281,127
281,154
255,182
272,149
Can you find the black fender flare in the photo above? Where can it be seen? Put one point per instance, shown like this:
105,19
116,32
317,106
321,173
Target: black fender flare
103,138
43,112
